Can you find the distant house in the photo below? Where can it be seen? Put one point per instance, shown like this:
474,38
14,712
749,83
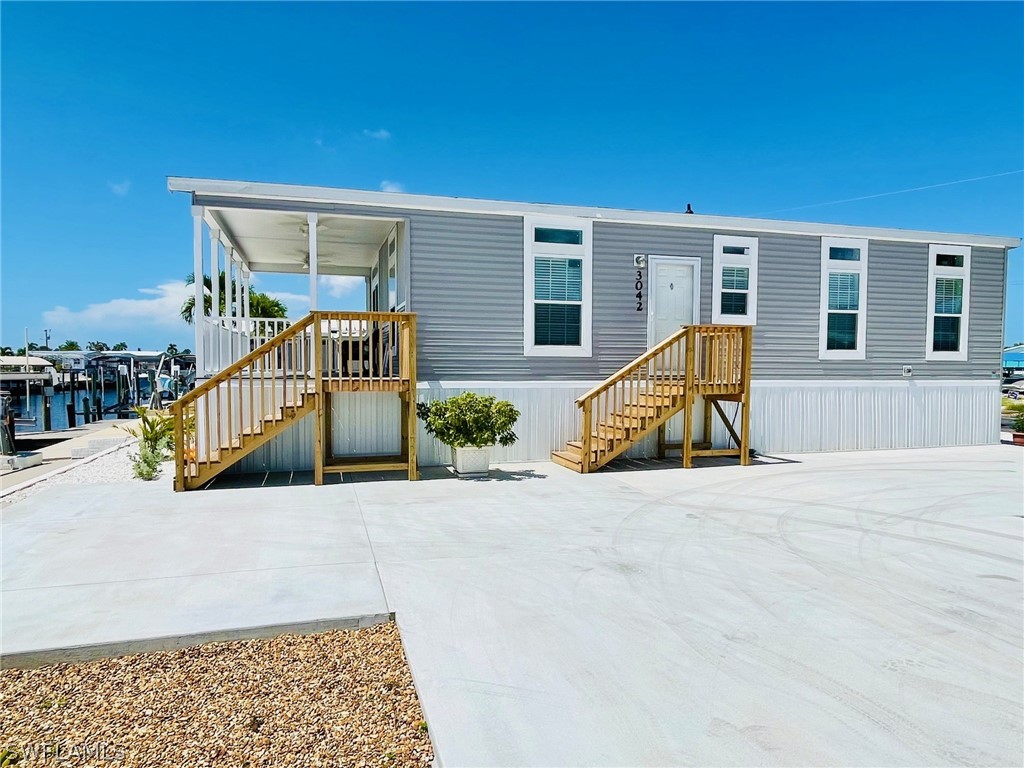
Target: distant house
863,337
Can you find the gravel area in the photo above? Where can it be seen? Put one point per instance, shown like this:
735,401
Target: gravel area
114,467
340,698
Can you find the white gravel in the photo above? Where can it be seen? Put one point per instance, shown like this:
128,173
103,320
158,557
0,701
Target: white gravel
114,467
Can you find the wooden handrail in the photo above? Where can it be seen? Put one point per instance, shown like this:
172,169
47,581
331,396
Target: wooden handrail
645,358
244,362
242,406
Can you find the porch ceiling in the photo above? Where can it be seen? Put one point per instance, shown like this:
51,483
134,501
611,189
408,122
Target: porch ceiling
278,241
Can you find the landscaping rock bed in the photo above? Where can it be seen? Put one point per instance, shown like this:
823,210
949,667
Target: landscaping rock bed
340,698
114,467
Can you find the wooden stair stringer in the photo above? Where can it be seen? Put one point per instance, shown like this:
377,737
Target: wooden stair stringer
272,427
565,458
625,445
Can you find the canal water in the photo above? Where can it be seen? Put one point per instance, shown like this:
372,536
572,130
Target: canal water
58,409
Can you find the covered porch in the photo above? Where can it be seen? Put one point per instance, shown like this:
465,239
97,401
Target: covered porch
241,242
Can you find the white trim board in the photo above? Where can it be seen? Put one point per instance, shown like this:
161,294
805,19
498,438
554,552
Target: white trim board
859,268
792,383
330,195
871,383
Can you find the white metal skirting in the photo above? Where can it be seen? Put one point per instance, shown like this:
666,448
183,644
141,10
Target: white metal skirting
786,417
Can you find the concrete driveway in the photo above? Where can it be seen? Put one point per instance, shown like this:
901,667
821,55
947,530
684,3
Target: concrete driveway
830,609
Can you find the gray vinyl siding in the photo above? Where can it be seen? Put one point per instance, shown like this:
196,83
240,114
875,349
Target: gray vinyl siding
788,302
466,287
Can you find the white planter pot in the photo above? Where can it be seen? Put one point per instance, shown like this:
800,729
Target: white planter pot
471,461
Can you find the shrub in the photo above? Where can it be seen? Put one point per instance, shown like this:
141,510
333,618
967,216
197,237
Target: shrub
470,419
155,430
1018,421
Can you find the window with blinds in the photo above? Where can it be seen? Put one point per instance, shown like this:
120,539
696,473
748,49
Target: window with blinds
844,264
734,281
558,296
735,284
949,278
557,292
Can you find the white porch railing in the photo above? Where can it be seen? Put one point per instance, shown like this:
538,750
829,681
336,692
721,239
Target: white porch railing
226,340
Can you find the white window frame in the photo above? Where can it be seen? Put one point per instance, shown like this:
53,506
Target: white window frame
584,252
860,268
391,249
722,259
374,286
936,272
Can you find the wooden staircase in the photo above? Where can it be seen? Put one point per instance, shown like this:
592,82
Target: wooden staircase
708,361
290,376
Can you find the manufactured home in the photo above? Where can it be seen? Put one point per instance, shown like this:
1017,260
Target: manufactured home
614,331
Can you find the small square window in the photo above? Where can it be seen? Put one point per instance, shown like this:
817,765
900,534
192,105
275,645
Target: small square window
735,250
558,279
842,331
843,254
557,325
735,278
558,236
946,334
949,260
734,303
949,295
844,290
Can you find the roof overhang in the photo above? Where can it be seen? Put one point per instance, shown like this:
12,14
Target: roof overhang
246,190
278,241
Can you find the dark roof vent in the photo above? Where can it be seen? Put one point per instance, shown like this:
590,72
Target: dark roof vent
688,208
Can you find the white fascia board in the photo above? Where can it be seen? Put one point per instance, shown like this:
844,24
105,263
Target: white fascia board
300,193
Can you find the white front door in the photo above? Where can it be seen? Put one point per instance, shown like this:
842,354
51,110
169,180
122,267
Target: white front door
673,295
674,302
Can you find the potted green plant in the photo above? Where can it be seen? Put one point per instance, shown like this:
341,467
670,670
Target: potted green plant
1018,425
471,425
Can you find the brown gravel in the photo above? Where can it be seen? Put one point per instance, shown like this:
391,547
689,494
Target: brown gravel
341,698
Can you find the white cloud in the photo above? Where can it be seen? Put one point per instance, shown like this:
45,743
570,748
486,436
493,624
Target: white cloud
289,298
391,186
381,134
120,188
158,308
342,285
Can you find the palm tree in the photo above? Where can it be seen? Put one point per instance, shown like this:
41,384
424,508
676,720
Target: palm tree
121,346
67,346
6,351
260,304
172,349
97,346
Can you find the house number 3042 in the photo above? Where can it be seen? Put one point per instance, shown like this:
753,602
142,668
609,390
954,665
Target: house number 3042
639,285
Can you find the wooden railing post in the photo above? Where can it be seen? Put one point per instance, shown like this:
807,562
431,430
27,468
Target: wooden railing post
689,380
748,344
177,413
413,424
588,428
318,393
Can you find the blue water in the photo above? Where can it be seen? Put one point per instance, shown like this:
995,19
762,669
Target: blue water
58,409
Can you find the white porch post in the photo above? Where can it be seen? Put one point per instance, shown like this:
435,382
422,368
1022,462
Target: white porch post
215,273
313,275
216,352
229,298
246,278
197,310
239,279
229,284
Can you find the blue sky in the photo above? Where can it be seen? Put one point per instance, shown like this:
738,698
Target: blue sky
738,109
